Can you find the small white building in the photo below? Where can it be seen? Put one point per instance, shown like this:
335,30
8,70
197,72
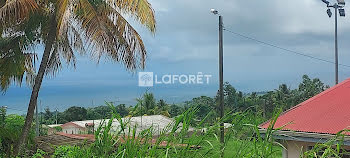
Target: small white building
74,128
158,123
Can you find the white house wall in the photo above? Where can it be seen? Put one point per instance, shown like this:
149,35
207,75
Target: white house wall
73,130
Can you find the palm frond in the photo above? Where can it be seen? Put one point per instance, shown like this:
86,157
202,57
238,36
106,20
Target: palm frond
107,33
54,64
63,14
65,49
15,11
76,41
126,34
14,63
141,10
68,39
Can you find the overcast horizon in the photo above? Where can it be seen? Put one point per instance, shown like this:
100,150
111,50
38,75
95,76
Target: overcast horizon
186,42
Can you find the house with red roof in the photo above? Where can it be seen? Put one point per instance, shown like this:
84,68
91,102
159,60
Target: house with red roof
314,121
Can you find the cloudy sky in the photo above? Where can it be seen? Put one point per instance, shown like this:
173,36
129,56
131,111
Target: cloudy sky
186,43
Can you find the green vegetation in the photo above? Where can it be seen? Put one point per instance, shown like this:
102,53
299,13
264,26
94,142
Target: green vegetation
244,111
242,140
174,141
66,28
10,131
235,101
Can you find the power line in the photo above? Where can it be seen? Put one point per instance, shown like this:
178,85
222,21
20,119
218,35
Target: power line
285,49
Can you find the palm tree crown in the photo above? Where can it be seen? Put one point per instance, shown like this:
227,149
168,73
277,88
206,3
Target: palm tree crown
93,27
64,27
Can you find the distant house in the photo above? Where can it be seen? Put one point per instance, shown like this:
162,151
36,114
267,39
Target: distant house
77,127
157,122
315,121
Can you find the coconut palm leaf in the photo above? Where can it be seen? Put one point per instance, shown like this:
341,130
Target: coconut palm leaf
140,9
16,58
15,11
115,39
14,63
126,34
96,27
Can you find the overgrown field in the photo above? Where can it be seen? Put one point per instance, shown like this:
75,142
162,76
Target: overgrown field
243,139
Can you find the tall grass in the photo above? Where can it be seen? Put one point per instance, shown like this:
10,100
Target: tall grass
331,148
242,140
177,140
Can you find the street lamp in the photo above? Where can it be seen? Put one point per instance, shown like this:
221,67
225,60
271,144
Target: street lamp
221,76
341,2
339,6
342,12
214,11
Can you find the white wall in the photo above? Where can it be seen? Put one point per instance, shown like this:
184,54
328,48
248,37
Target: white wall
70,129
296,148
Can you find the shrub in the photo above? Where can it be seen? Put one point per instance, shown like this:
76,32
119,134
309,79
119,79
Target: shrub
10,133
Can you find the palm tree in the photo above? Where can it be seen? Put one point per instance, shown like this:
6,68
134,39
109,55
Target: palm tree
149,102
96,27
145,105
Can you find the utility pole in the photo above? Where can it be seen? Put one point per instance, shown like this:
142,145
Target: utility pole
221,76
221,80
339,6
336,44
141,113
56,115
93,126
264,108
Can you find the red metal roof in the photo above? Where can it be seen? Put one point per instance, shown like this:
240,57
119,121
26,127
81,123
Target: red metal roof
327,112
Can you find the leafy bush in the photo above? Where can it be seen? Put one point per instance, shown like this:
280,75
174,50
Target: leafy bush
39,154
10,133
71,152
58,128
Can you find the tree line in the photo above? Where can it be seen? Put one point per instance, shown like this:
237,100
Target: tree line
256,105
263,103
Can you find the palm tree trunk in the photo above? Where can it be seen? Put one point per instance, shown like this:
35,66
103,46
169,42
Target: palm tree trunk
35,91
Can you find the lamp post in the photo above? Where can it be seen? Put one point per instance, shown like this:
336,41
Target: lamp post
339,6
221,76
